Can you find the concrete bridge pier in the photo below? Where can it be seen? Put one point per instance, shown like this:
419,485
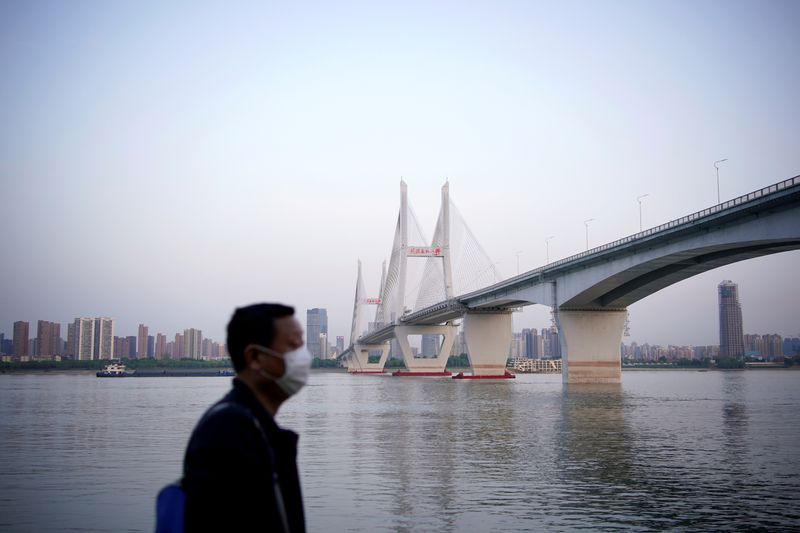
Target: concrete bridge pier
359,363
488,336
425,366
590,345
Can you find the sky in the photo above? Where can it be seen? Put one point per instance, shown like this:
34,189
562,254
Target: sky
165,162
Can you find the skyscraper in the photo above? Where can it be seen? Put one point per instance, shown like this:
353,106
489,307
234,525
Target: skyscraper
731,336
141,342
48,337
161,346
103,338
324,347
70,351
192,343
316,323
20,338
430,345
339,344
130,346
178,352
83,337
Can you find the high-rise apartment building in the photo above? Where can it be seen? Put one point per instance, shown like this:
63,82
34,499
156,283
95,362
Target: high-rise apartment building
70,348
120,346
161,346
551,346
192,343
178,351
316,323
731,336
339,344
430,345
130,350
324,346
103,338
48,338
791,346
141,342
83,339
20,338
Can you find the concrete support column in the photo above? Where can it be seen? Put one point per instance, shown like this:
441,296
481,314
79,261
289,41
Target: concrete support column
488,337
425,365
590,345
359,363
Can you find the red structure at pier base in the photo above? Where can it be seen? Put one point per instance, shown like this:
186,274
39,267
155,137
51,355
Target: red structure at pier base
507,375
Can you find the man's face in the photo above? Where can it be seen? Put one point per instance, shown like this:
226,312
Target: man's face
288,335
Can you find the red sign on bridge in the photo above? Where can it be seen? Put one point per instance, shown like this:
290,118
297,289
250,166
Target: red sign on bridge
425,251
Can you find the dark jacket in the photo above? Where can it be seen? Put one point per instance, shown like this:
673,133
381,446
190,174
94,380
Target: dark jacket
229,467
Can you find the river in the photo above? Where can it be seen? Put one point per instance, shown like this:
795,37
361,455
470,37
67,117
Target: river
665,450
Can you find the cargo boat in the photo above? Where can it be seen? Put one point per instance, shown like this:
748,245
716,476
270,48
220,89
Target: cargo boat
114,370
118,370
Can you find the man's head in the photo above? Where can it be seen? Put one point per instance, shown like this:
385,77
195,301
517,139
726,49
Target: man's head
269,325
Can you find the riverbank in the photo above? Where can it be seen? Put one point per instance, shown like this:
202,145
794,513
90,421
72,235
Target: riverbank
149,372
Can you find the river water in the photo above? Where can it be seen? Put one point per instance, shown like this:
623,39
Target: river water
665,450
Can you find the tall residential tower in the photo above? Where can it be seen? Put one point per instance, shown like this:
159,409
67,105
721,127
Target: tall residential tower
20,338
316,324
731,335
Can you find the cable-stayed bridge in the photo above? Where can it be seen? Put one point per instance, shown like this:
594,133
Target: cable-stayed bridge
588,292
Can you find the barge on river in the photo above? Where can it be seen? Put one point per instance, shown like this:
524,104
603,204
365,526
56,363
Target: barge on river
118,370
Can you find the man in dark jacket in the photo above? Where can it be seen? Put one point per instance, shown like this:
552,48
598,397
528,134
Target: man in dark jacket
240,469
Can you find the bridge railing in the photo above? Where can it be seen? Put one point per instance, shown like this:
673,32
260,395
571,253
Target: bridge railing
781,185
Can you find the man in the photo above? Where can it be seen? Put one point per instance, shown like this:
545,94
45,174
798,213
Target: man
240,469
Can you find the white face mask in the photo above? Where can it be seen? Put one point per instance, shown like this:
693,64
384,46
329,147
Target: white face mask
297,365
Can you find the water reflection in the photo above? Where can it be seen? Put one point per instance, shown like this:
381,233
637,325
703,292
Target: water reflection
665,451
596,439
594,451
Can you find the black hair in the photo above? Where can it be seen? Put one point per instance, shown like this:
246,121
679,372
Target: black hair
254,324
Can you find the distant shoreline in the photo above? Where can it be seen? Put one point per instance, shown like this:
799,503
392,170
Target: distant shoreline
145,371
189,370
703,369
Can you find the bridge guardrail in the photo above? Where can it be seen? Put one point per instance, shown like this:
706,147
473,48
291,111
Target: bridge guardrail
781,185
785,184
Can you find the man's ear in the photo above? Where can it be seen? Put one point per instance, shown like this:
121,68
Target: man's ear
250,353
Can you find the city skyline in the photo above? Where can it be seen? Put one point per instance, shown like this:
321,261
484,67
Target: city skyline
203,159
318,316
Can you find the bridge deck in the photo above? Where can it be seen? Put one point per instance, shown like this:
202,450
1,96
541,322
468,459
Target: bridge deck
781,195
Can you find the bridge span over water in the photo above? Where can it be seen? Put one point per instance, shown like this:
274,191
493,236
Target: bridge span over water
588,292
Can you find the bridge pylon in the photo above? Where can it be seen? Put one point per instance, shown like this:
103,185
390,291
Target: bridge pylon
488,334
436,365
357,358
360,358
590,341
426,366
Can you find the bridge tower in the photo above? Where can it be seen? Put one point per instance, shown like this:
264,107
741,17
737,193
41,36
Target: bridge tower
439,250
358,360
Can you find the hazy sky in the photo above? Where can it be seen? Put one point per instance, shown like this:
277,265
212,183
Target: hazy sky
164,162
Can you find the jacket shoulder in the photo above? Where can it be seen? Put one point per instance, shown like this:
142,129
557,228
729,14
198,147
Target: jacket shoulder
228,425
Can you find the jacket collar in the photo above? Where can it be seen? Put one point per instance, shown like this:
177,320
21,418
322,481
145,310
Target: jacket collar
244,395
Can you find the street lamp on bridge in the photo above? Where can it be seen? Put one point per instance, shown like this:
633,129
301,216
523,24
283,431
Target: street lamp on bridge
547,249
518,253
639,199
586,223
716,166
